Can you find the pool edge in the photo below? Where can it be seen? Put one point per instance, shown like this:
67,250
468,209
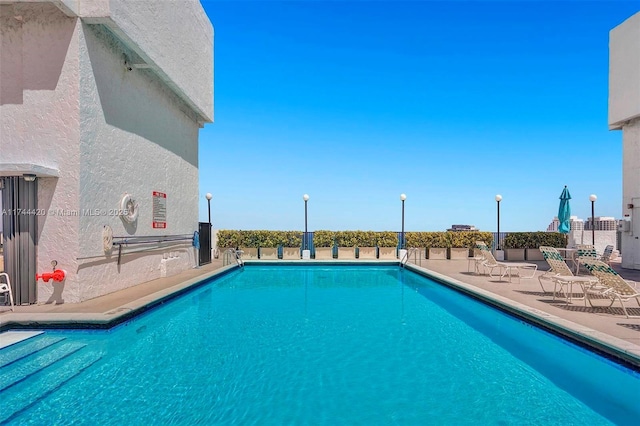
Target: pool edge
620,350
599,342
111,318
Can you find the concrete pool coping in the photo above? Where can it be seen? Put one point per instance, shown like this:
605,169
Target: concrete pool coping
110,310
600,342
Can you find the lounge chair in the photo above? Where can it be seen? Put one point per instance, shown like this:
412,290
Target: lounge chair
560,274
610,285
586,250
507,269
478,257
606,255
5,287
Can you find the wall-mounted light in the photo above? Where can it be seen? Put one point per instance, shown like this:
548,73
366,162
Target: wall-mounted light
29,177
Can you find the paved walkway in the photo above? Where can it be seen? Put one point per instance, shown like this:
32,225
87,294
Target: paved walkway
527,292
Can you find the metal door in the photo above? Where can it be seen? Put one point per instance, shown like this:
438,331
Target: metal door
204,230
19,206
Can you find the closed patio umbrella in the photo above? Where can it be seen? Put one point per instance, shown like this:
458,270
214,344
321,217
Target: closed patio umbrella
564,212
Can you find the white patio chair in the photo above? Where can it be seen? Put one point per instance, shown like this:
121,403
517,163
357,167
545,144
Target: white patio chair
507,268
5,288
560,274
610,285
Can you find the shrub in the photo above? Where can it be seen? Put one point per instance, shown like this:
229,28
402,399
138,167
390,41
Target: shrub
552,239
229,238
467,239
347,238
535,240
323,238
387,239
260,238
461,239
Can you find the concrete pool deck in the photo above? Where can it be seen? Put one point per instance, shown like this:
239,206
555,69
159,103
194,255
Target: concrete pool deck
607,325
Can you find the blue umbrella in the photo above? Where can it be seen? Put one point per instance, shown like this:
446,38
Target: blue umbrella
564,212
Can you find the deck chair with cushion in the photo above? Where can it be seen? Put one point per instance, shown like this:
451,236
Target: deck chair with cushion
560,274
506,268
5,287
610,285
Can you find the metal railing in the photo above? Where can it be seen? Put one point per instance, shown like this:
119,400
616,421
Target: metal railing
411,251
148,239
231,256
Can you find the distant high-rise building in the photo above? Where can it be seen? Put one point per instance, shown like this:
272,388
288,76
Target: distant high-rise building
602,223
576,224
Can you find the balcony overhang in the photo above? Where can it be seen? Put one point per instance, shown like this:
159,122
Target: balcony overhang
20,169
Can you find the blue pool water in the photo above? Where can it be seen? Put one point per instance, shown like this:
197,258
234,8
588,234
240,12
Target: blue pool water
348,345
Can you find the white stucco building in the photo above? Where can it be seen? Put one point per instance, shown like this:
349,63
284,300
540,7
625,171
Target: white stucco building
101,101
624,114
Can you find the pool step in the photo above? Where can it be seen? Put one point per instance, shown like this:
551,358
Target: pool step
27,393
24,349
26,367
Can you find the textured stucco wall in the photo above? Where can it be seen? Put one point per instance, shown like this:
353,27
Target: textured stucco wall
631,193
624,113
39,123
603,239
184,62
136,139
624,72
106,130
187,60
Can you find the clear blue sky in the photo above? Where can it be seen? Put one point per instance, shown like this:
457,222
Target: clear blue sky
449,102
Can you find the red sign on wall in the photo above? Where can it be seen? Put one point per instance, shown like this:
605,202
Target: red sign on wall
159,209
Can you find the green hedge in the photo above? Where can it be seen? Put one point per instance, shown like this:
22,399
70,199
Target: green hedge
387,239
324,238
467,239
321,238
266,239
365,239
448,239
534,240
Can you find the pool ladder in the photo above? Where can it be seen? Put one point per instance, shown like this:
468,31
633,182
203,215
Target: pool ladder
232,256
410,251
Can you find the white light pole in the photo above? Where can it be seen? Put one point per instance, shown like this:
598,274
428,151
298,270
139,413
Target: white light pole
402,254
209,197
306,253
593,199
498,199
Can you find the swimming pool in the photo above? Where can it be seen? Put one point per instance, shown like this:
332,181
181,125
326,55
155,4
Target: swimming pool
315,345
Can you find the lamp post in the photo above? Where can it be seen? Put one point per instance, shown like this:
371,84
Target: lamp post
498,199
209,197
593,199
306,254
402,242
